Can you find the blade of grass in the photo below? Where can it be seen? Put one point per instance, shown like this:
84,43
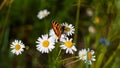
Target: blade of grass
111,57
77,21
100,58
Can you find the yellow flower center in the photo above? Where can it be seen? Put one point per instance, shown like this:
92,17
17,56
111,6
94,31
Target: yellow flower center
83,55
89,55
67,28
68,44
45,43
17,47
97,20
43,14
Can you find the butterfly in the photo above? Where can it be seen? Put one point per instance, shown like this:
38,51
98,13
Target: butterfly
58,29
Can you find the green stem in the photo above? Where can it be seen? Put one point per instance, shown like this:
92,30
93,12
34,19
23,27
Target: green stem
72,62
58,55
77,21
87,65
69,58
5,23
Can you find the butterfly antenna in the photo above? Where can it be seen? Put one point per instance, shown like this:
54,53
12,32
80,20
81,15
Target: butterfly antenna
52,21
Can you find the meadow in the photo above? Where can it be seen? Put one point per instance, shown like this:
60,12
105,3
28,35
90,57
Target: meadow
59,33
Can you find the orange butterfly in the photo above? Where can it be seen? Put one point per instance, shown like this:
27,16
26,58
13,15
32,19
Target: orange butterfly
58,29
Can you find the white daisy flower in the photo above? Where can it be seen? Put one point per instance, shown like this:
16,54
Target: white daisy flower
90,56
89,12
69,28
91,29
52,34
45,44
68,46
17,47
83,54
43,13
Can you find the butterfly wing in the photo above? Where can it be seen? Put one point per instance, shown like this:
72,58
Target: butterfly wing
58,29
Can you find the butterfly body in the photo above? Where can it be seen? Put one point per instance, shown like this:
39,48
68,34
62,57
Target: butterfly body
58,29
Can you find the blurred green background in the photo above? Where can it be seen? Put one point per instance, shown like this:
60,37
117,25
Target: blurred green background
18,20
